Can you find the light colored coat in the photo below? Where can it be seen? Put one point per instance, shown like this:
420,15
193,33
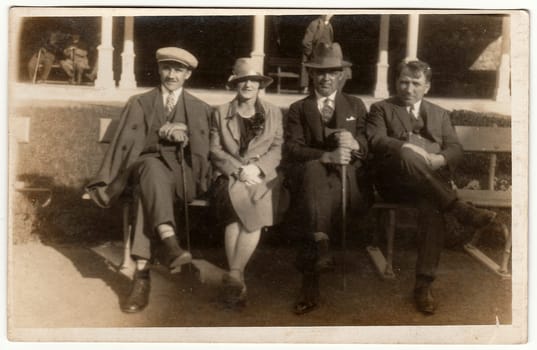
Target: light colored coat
257,205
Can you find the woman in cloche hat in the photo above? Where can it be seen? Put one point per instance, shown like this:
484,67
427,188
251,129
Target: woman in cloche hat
246,149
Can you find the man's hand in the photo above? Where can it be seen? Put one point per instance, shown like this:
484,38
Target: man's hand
174,132
346,140
250,174
338,156
434,161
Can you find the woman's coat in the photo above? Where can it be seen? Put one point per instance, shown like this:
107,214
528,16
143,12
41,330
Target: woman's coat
257,205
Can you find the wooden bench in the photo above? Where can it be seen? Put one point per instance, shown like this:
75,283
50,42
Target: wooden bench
286,68
487,140
107,129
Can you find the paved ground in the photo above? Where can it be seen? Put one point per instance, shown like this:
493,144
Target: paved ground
78,286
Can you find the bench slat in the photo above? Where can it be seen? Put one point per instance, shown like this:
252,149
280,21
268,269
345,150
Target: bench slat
484,139
486,198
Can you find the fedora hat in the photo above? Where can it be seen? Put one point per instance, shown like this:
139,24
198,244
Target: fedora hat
176,54
327,56
243,70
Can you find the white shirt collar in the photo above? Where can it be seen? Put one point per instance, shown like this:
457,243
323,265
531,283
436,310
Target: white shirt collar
417,106
166,92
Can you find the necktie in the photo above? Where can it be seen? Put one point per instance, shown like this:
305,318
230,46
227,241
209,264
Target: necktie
417,122
412,111
170,103
327,111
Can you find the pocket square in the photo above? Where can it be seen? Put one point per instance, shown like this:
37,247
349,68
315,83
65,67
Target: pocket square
350,118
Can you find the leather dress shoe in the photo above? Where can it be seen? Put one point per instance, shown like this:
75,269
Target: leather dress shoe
305,305
467,214
139,294
425,303
308,299
178,258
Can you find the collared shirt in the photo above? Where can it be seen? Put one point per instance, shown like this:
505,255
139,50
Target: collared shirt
321,99
416,110
166,92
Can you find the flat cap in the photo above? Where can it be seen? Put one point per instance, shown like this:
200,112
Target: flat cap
177,55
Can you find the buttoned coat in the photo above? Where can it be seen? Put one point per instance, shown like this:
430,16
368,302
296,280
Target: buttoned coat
256,205
388,126
129,141
305,140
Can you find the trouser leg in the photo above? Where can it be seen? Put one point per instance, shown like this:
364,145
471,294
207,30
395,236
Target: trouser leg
321,194
430,239
427,181
47,59
157,192
407,176
156,203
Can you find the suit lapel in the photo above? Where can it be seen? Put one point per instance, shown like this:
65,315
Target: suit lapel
313,118
179,112
402,114
232,123
431,123
342,111
151,105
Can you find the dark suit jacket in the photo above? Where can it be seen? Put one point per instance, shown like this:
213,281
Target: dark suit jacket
305,141
305,131
129,141
388,125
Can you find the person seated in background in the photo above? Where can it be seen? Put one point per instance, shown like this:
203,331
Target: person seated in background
415,149
75,61
246,149
41,62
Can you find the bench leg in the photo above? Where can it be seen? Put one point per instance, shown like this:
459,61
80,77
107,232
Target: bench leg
502,271
390,234
128,266
507,250
382,264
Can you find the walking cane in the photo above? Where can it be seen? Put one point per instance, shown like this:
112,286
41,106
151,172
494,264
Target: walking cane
344,218
185,202
37,65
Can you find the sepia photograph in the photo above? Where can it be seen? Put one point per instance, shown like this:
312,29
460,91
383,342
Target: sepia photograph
267,175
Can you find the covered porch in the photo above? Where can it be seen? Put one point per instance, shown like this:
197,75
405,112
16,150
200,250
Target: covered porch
470,54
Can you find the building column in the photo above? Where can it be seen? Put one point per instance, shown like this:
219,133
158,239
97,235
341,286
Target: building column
127,80
381,87
503,92
412,37
105,70
258,43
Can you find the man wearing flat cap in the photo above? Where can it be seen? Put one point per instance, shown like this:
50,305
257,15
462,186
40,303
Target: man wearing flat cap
145,153
323,132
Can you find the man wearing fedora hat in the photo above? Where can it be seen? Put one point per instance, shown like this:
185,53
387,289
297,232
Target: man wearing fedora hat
323,131
144,153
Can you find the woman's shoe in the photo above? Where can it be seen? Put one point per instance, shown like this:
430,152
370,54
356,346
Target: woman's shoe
233,292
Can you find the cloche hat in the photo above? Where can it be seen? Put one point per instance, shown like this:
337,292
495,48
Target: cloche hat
243,70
